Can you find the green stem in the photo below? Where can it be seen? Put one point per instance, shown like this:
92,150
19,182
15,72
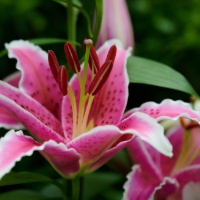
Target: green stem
99,16
71,21
76,188
85,13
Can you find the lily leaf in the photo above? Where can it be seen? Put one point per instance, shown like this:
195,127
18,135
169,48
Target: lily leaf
142,70
44,41
25,194
104,180
14,178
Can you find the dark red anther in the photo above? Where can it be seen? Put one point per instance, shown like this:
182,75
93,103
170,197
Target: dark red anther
63,80
112,53
72,57
101,77
93,58
53,63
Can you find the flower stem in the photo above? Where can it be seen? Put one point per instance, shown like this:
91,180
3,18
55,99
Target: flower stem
71,21
99,16
76,188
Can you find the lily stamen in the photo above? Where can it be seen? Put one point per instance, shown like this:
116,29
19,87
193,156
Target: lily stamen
60,74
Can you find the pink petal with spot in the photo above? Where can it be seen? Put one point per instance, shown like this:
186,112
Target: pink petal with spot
7,120
38,120
167,109
148,130
175,137
116,147
138,186
185,176
110,102
140,155
93,144
37,80
14,146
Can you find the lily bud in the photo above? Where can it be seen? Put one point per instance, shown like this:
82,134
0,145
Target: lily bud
62,80
101,77
72,57
116,23
93,58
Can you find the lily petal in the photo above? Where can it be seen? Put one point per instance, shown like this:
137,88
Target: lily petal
38,120
7,120
110,102
166,188
148,130
116,147
167,109
15,145
191,191
140,155
185,176
138,187
175,137
37,80
95,143
13,79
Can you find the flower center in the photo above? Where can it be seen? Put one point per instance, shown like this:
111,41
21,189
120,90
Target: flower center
190,150
99,77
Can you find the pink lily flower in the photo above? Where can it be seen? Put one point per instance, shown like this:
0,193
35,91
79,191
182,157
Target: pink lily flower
116,24
80,131
156,176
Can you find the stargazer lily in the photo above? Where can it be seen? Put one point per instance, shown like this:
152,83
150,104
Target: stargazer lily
158,177
78,126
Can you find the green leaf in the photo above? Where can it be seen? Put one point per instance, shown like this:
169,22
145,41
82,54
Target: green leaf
44,41
14,178
142,70
99,17
25,194
21,194
97,182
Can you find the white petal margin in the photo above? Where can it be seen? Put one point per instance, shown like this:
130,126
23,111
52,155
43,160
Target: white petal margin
148,129
167,109
127,184
165,181
15,145
191,191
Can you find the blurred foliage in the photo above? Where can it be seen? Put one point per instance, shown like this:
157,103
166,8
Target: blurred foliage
165,31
